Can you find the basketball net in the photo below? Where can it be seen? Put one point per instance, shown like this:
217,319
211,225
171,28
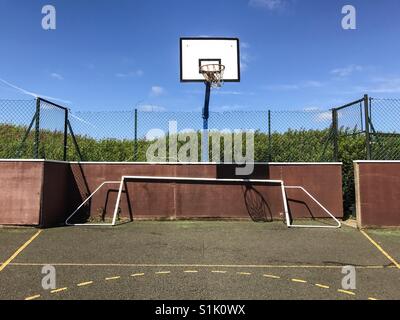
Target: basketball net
213,74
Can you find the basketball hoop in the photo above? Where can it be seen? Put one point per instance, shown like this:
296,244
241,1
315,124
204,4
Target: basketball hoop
213,74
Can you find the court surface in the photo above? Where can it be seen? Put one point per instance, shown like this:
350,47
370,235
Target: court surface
199,260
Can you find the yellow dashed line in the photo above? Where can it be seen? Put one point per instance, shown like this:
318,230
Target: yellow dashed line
271,276
322,286
163,272
244,273
347,292
84,283
299,280
113,278
58,290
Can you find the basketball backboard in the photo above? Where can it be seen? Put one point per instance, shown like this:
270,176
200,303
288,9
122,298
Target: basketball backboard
197,52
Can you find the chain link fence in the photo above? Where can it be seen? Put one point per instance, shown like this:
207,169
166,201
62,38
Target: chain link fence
384,129
365,129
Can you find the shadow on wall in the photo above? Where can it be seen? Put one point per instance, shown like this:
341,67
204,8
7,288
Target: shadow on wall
78,192
256,205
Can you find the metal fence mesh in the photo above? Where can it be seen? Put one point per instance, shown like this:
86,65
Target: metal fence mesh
362,130
286,136
300,136
385,129
16,116
51,127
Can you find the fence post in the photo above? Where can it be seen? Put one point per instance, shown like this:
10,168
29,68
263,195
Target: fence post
65,135
367,127
269,137
135,143
37,128
335,133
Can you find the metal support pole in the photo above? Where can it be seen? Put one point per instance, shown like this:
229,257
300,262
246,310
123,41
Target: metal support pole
37,128
335,132
65,135
135,143
269,137
75,142
206,115
367,127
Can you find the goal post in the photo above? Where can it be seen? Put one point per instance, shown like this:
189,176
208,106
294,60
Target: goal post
154,179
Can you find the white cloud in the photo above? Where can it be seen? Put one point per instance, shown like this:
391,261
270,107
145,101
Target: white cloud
225,108
232,93
323,116
295,86
244,61
347,71
267,4
385,85
136,73
157,91
150,107
57,76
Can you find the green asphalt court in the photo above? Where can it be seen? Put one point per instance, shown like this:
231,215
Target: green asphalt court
203,260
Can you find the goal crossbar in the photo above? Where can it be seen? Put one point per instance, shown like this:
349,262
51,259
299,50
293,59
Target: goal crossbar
213,180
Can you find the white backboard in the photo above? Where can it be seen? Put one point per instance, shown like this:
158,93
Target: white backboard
196,52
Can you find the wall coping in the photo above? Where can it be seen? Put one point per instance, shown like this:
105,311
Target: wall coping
377,161
169,163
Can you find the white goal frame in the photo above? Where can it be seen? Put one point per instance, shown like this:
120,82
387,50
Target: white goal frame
215,180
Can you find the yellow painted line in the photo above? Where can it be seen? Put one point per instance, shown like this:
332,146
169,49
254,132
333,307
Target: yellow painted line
190,271
218,271
58,290
322,286
84,283
33,297
347,292
113,278
299,280
271,266
372,299
244,273
381,249
137,275
163,272
271,276
16,253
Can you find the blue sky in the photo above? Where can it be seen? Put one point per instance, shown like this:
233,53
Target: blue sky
115,55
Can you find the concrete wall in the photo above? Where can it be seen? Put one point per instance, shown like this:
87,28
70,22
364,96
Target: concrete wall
55,194
207,200
377,193
45,193
20,192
